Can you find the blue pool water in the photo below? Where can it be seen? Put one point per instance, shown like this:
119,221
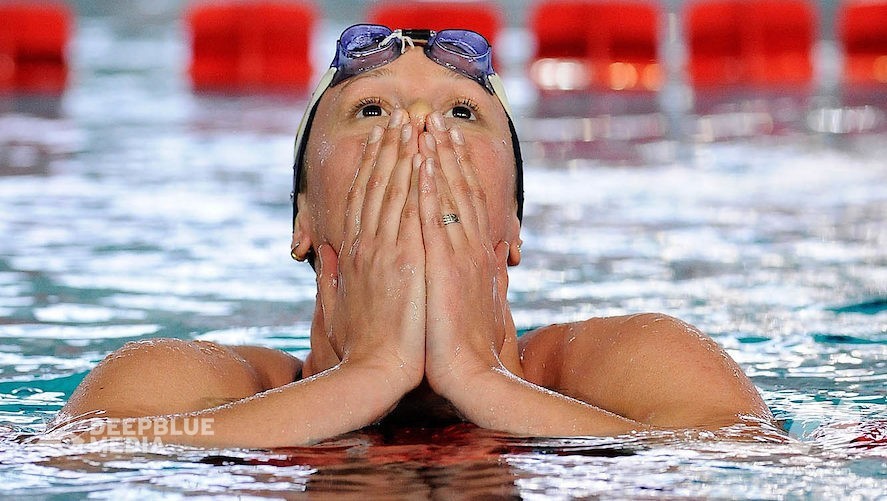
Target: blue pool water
133,208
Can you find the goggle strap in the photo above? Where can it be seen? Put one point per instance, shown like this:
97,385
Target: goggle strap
303,126
315,96
499,91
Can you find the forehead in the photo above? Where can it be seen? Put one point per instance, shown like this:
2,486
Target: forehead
412,62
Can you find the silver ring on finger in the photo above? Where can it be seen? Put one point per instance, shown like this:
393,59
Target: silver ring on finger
450,218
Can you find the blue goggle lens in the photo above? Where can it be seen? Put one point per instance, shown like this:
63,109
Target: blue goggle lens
363,37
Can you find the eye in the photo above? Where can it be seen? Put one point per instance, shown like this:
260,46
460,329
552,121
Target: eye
463,109
369,108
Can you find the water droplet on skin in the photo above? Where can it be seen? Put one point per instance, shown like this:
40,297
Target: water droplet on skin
327,148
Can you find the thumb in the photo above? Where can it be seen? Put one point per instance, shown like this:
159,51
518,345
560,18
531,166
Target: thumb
501,252
318,323
327,280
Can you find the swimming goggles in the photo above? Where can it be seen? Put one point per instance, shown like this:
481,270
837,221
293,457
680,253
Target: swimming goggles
364,47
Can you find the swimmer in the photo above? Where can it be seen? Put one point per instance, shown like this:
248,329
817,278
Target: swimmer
407,202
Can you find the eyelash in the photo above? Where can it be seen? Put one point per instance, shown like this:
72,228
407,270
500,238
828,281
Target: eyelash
367,101
467,103
377,101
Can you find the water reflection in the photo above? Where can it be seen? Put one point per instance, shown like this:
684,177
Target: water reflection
457,462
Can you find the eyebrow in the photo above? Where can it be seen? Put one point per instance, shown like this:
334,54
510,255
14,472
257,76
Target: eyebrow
383,71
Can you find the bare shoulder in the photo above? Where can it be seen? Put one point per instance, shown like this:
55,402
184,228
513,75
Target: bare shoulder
274,367
648,367
545,350
168,376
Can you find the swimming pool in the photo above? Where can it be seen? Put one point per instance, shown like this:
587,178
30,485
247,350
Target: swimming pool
133,208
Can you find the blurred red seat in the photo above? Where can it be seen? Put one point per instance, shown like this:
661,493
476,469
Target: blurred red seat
595,44
758,43
862,31
482,17
33,39
251,45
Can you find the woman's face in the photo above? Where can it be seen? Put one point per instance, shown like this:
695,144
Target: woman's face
347,113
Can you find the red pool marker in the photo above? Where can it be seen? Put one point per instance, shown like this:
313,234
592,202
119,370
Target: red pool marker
862,31
482,17
871,434
33,39
251,45
596,45
750,42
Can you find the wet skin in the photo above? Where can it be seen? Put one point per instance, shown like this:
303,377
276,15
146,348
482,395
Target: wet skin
410,312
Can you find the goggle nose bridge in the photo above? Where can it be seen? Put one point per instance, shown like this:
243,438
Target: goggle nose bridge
407,37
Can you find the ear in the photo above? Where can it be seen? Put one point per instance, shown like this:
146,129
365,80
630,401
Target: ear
301,245
514,240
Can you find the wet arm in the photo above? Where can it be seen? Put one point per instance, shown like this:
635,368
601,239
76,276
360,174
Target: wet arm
496,399
140,392
650,368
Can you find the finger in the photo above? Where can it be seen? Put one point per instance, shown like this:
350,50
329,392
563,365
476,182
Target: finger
398,187
357,191
448,203
449,208
451,163
437,242
410,225
469,172
377,183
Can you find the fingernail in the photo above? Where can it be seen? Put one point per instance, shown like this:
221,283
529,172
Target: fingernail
375,134
456,136
438,122
396,118
430,142
406,132
417,161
